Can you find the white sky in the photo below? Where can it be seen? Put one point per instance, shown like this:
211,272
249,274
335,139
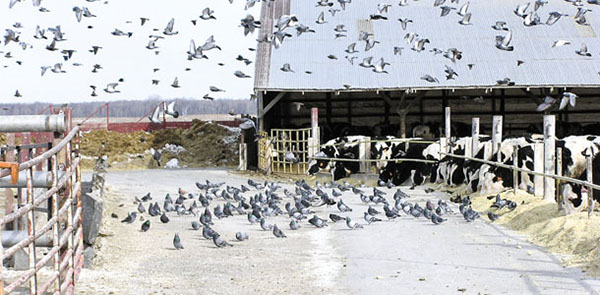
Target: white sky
123,57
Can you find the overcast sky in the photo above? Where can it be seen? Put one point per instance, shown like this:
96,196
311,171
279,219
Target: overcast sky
123,57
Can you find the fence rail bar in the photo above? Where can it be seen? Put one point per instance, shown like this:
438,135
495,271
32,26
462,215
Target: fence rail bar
19,212
375,160
562,178
45,156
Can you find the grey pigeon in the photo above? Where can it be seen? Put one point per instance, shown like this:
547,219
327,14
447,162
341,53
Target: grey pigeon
196,225
177,242
351,224
219,242
264,225
146,226
277,232
343,207
370,218
318,222
164,218
492,216
294,225
335,217
241,236
208,232
437,219
130,218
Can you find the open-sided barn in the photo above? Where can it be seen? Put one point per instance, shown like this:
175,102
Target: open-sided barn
482,58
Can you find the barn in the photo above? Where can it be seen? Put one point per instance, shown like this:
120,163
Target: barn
353,99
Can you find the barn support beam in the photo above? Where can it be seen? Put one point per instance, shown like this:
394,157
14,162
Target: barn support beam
259,107
263,111
549,156
538,166
474,136
590,179
496,135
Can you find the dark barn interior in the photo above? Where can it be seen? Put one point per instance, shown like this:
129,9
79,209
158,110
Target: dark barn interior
380,113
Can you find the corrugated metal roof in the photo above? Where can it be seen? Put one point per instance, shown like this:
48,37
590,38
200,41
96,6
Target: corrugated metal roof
543,65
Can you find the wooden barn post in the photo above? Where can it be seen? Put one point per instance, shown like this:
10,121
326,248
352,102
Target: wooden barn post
559,172
590,179
549,156
474,136
538,166
515,156
314,141
364,154
496,136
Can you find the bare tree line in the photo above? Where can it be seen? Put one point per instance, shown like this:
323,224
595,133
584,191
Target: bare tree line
137,108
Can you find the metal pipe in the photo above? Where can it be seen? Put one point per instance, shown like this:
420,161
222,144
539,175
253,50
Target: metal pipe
41,179
33,123
13,237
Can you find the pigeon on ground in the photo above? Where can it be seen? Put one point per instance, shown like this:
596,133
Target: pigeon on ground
164,218
278,233
318,222
241,236
219,242
208,232
196,225
370,218
351,224
146,226
294,225
343,207
264,225
335,217
437,219
492,216
130,218
177,242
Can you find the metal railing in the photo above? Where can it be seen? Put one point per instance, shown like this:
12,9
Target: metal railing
66,249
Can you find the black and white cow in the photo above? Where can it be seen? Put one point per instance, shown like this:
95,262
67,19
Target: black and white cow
400,172
342,148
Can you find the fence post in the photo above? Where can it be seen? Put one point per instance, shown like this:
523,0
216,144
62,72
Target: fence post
559,198
515,157
448,129
31,230
549,156
314,124
364,154
468,148
269,154
538,166
590,179
497,136
243,165
474,136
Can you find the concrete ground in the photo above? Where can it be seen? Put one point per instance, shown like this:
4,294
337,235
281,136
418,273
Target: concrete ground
403,256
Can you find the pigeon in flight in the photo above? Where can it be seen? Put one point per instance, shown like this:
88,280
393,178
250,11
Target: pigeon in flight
583,51
144,20
169,29
286,68
175,83
111,88
240,74
567,98
500,26
207,14
503,43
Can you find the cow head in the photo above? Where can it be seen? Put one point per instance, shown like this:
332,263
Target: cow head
317,164
574,195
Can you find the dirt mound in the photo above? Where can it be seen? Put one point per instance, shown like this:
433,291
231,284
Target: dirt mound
204,144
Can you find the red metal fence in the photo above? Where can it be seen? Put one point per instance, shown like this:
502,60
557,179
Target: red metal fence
65,216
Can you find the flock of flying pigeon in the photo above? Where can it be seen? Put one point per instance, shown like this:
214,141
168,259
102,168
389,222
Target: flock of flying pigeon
530,13
51,39
259,202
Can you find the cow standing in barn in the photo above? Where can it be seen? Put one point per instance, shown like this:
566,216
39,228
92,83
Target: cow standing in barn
341,148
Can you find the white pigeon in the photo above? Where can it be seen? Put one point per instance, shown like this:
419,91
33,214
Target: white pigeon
567,98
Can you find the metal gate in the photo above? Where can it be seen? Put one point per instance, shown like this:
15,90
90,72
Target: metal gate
295,141
63,260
